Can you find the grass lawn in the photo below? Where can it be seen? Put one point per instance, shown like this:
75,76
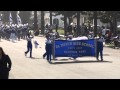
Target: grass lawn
110,45
60,31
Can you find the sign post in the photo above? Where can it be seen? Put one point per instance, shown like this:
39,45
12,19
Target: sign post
96,48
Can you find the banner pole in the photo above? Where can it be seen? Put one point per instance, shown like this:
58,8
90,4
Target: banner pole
96,48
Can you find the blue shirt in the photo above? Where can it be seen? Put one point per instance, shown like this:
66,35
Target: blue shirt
100,43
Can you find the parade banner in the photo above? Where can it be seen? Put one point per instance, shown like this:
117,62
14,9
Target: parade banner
74,48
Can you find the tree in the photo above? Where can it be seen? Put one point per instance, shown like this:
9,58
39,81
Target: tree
110,17
5,16
115,22
14,16
50,17
35,21
66,14
65,23
69,14
78,22
25,16
42,22
95,23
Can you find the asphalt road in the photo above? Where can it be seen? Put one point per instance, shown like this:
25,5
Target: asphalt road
63,68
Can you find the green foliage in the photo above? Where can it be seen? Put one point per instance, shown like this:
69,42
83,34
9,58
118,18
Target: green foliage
25,16
5,17
106,16
68,13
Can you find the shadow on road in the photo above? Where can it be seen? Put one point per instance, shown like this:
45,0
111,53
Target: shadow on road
69,62
106,55
60,59
33,58
113,47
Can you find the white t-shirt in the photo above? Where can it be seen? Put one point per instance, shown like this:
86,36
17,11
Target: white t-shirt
103,32
101,39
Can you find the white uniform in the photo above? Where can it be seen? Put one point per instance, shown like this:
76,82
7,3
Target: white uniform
101,39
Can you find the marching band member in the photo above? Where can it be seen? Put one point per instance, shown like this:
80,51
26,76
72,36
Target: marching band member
29,45
100,41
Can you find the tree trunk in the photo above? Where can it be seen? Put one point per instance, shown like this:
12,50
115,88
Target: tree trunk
35,21
42,22
25,16
70,20
111,27
6,16
114,23
78,23
95,23
65,23
14,16
51,18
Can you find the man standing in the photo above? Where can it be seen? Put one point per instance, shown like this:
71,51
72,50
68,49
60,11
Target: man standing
48,48
100,41
56,27
75,29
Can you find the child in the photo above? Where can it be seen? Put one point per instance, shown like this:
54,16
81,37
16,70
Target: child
36,44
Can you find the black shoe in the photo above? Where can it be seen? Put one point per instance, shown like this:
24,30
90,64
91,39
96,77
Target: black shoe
31,57
101,59
97,59
49,61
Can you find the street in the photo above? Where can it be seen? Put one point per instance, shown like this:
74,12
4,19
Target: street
62,68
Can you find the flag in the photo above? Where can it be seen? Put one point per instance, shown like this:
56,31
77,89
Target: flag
19,19
10,19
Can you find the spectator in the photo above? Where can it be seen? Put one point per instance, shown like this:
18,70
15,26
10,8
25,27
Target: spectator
5,65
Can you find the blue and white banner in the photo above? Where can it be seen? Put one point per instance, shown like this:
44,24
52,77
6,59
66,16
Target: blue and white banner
75,48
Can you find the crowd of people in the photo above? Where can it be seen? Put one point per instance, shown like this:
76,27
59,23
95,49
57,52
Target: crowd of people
14,32
71,35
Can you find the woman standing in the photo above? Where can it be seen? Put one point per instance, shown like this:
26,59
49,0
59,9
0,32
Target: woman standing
5,65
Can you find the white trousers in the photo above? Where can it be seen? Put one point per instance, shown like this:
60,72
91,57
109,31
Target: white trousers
12,37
